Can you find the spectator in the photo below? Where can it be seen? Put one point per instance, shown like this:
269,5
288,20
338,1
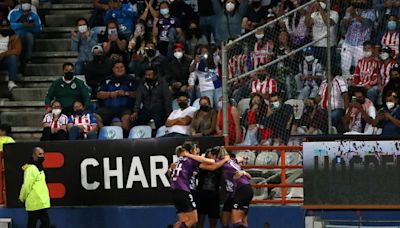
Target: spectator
26,24
153,101
33,8
116,95
123,13
255,16
228,18
204,120
178,69
152,58
295,25
366,73
317,19
136,46
272,31
179,121
234,131
82,42
205,71
263,49
391,38
390,115
393,84
81,124
98,69
114,42
166,30
55,124
357,25
310,75
5,135
313,121
100,8
263,84
206,20
387,65
10,49
183,12
66,90
360,114
194,38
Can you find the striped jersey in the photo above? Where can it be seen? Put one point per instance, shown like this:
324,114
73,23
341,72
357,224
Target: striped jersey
339,86
366,72
55,124
385,71
86,120
268,86
392,40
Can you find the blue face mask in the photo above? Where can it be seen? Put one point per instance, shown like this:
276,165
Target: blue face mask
164,11
391,25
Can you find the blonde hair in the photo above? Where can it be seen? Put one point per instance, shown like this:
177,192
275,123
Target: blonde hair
222,152
179,150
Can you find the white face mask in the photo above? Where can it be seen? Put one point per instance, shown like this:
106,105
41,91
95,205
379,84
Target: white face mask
219,105
82,28
259,36
323,5
384,56
390,105
309,58
276,105
178,54
230,6
56,111
367,54
26,6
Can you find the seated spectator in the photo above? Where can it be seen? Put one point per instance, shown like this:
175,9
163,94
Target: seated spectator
178,69
152,58
153,101
391,38
386,55
116,95
204,120
234,130
33,8
81,124
166,30
310,75
98,69
66,90
360,114
183,12
194,38
393,84
179,121
100,8
114,42
82,42
366,73
26,24
263,84
55,124
255,16
136,46
124,13
390,115
313,121
10,49
5,135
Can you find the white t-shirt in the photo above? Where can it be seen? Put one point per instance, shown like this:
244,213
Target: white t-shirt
189,111
4,43
356,125
320,29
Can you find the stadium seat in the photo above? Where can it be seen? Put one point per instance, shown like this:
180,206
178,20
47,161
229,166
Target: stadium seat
111,132
248,156
298,107
116,121
292,158
243,105
161,131
265,158
140,132
196,104
259,193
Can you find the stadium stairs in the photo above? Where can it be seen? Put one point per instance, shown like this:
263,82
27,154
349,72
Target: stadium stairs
24,109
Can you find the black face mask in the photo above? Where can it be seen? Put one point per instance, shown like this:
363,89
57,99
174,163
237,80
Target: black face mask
395,80
182,105
150,53
6,32
262,77
204,108
78,112
97,58
308,109
68,76
40,160
256,4
360,101
149,81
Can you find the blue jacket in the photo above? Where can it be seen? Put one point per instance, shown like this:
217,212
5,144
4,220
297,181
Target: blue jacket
124,16
14,17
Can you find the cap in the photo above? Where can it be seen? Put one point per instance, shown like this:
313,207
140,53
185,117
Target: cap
97,47
179,45
308,51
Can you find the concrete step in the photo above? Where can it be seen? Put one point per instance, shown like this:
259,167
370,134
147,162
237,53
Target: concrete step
75,1
27,136
53,20
22,119
27,79
41,69
53,44
56,32
29,94
55,54
21,104
78,11
66,6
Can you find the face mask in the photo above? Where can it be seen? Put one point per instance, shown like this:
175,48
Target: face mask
40,160
82,28
5,32
112,31
259,36
68,76
391,25
150,53
178,54
276,105
360,101
56,111
97,58
308,109
204,108
262,77
219,105
309,58
149,81
384,56
390,105
26,7
367,54
164,11
230,6
78,112
395,80
182,105
323,5
256,4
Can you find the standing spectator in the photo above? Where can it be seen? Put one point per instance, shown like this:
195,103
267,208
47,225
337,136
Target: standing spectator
390,115
10,49
81,124
255,16
153,101
116,95
313,121
206,24
26,24
114,42
388,63
82,42
393,84
55,124
98,69
367,73
66,90
183,12
178,69
100,8
234,131
296,26
357,25
194,38
317,19
152,58
5,135
123,13
204,120
228,18
136,46
179,121
391,38
34,192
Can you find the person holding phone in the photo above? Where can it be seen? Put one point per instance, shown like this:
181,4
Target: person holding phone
114,43
389,116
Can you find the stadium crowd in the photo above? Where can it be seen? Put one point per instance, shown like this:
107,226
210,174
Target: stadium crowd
159,64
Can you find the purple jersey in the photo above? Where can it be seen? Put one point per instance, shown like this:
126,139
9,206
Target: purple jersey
164,25
229,169
180,178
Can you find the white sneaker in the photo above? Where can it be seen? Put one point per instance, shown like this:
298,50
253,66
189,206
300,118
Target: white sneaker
11,85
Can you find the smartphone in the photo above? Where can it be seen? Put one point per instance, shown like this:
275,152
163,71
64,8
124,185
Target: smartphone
353,99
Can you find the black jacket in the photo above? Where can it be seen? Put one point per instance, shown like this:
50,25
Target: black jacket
178,71
159,62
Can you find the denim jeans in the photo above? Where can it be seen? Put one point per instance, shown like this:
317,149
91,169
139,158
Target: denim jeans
76,133
80,67
214,96
207,26
27,42
10,63
373,93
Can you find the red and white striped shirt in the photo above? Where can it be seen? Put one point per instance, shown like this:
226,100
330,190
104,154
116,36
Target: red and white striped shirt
262,54
268,86
339,86
391,40
61,121
86,120
366,72
385,71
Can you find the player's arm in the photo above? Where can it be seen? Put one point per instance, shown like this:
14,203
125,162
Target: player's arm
214,166
198,158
